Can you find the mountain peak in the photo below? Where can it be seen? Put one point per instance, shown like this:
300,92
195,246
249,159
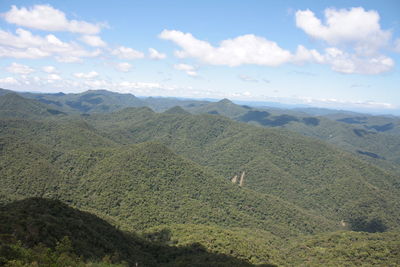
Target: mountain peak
225,101
176,110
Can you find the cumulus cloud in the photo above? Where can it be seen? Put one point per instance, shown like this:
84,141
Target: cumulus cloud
154,54
89,75
8,81
354,38
349,63
127,53
19,69
123,67
245,49
26,45
352,26
47,18
53,77
49,69
344,62
189,69
93,40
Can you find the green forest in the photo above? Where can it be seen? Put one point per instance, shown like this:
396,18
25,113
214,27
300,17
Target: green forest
105,179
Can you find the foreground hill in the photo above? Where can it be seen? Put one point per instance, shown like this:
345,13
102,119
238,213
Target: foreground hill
52,233
45,232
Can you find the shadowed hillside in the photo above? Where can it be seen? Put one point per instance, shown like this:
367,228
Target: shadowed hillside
69,233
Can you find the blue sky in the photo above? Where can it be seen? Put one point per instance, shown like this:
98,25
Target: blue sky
336,54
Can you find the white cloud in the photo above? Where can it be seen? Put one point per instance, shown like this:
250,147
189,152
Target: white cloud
189,69
358,34
127,53
349,26
89,75
305,55
45,17
154,54
49,69
26,45
345,104
53,77
341,61
139,85
123,67
19,68
9,81
245,49
93,40
349,63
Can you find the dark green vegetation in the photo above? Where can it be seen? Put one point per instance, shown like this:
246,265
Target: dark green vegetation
50,233
167,178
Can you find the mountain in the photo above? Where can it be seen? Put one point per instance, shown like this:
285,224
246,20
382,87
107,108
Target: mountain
53,234
176,110
14,106
192,190
310,173
145,185
224,107
372,138
92,101
37,231
161,104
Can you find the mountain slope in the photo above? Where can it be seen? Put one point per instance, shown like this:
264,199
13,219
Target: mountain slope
92,101
304,171
58,234
145,185
14,106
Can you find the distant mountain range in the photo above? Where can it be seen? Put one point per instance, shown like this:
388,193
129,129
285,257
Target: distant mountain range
373,138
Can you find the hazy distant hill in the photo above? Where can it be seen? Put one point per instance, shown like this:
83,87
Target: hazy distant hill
92,101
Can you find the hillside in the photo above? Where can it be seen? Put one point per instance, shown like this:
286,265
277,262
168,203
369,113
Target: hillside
92,101
375,139
52,233
372,138
170,177
145,185
14,106
311,174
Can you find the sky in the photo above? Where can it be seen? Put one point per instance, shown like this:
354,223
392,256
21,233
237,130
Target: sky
333,54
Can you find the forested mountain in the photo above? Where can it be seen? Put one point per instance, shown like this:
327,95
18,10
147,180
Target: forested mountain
301,170
177,179
372,138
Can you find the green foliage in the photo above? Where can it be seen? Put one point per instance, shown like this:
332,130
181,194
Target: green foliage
32,235
301,170
344,249
252,245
